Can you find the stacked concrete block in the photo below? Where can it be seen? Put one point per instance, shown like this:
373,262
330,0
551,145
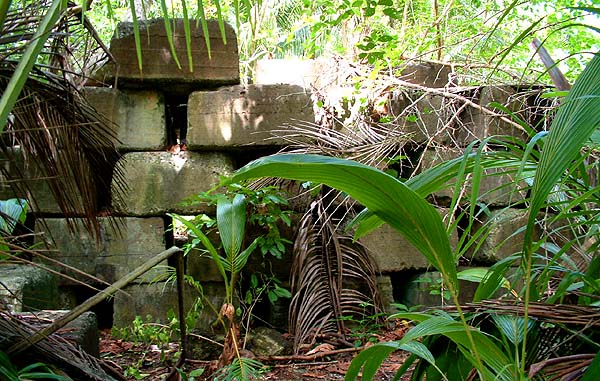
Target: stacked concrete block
24,179
157,299
138,116
210,67
393,253
504,233
428,289
27,288
481,125
245,115
422,117
118,250
159,182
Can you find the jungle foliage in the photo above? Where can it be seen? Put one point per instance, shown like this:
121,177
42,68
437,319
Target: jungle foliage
552,282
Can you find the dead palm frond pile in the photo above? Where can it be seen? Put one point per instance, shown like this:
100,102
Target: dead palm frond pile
54,144
52,136
54,350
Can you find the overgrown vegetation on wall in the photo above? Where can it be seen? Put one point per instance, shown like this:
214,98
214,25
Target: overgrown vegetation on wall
533,311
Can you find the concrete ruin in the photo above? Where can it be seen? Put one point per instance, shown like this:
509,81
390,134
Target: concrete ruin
227,125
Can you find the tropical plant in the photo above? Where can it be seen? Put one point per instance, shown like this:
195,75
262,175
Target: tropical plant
231,223
35,371
401,204
12,212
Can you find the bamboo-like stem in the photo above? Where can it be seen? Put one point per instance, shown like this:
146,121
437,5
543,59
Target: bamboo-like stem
85,306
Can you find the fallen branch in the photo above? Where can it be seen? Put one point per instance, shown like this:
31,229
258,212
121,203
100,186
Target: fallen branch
85,306
310,357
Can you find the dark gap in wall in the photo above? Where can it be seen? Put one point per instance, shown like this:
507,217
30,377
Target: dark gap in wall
401,285
176,118
103,310
244,157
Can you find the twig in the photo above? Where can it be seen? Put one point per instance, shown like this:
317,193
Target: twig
452,95
310,357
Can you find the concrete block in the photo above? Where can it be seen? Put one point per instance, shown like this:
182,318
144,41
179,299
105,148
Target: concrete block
423,117
479,125
496,188
137,116
386,291
428,74
159,67
120,249
426,289
26,180
237,116
503,238
393,252
160,181
83,331
158,298
27,288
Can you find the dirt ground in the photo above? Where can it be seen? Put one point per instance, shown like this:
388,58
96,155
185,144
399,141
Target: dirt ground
137,361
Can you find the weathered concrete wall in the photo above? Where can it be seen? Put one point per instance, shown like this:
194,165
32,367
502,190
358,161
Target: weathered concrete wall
27,288
137,116
160,67
159,182
119,249
224,127
245,115
393,253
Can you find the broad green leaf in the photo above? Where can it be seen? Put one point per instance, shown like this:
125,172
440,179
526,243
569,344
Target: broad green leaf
512,327
231,221
369,361
136,33
217,259
169,31
12,211
382,194
494,279
21,73
201,17
4,7
593,370
577,118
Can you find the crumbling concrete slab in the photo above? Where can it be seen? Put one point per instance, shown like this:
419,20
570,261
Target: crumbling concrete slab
155,300
120,249
137,116
27,288
238,116
393,253
159,67
481,125
160,181
83,331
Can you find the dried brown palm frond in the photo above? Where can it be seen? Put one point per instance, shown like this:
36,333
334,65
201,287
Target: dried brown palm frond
332,278
369,144
53,350
53,136
569,368
587,316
